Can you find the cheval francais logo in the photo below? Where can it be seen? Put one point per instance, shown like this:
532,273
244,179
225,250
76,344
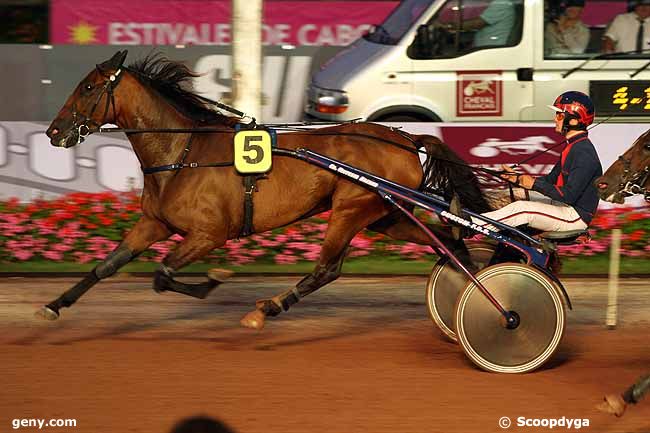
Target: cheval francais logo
479,94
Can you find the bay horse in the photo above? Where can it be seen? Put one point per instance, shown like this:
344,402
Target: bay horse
629,175
206,205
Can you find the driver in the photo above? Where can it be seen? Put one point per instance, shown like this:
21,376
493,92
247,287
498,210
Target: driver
570,196
493,27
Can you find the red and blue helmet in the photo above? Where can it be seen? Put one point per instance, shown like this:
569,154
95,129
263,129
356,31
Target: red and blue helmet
575,105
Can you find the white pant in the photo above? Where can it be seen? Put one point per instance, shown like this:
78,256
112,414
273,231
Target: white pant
555,217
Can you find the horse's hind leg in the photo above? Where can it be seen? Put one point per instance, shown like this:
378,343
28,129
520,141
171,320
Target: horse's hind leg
322,275
145,232
193,247
344,224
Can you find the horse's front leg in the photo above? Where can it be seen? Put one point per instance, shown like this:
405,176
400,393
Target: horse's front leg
144,233
193,247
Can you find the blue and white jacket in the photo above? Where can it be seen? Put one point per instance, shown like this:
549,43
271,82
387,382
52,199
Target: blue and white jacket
571,180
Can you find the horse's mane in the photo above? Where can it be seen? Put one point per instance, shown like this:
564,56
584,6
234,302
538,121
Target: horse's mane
173,81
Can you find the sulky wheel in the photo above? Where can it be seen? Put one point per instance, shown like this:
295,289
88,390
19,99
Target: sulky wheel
446,284
535,302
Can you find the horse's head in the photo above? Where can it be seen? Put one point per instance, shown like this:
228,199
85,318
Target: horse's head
629,175
91,104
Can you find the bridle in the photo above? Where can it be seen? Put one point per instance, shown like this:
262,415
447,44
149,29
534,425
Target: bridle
83,124
632,182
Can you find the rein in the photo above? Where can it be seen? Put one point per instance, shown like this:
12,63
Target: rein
88,126
180,165
84,129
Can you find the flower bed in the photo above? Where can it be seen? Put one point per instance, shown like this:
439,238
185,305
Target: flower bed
82,227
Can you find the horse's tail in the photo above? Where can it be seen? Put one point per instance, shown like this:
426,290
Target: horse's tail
445,173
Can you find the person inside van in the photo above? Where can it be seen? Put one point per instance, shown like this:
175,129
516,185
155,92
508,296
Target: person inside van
568,196
630,31
493,27
567,34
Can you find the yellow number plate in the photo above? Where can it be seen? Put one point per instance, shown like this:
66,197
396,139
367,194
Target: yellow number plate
252,151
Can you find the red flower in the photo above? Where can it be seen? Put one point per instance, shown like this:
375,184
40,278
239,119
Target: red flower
636,235
105,221
635,216
13,202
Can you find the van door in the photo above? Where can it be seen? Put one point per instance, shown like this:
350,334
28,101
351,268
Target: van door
472,60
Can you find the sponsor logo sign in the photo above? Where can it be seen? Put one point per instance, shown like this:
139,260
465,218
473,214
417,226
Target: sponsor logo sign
479,94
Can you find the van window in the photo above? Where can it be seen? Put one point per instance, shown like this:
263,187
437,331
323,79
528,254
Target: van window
464,26
398,22
584,28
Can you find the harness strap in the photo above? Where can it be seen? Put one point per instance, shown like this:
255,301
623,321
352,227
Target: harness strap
182,164
249,188
178,166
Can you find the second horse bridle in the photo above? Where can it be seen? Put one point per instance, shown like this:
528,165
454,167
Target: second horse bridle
632,183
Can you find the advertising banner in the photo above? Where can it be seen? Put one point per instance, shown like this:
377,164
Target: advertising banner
30,167
205,22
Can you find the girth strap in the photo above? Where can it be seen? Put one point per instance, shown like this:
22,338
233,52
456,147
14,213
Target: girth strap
249,187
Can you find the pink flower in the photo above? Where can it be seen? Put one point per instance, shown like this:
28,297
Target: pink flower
61,247
285,258
268,243
52,255
22,254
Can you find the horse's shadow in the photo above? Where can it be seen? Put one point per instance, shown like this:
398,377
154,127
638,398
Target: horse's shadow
233,335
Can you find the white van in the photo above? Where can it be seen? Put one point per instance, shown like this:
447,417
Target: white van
418,66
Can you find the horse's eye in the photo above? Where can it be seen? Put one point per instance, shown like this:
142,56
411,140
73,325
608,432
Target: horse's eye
89,87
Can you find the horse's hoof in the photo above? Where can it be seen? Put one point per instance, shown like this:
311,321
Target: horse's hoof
46,313
219,275
253,320
613,404
276,303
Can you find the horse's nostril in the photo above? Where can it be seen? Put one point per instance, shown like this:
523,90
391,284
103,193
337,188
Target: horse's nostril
55,131
602,185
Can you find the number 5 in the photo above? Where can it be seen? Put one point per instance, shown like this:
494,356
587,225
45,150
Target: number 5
248,147
252,151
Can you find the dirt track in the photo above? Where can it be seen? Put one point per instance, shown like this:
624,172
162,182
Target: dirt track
359,356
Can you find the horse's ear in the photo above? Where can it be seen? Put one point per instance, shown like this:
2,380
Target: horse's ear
114,62
121,57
